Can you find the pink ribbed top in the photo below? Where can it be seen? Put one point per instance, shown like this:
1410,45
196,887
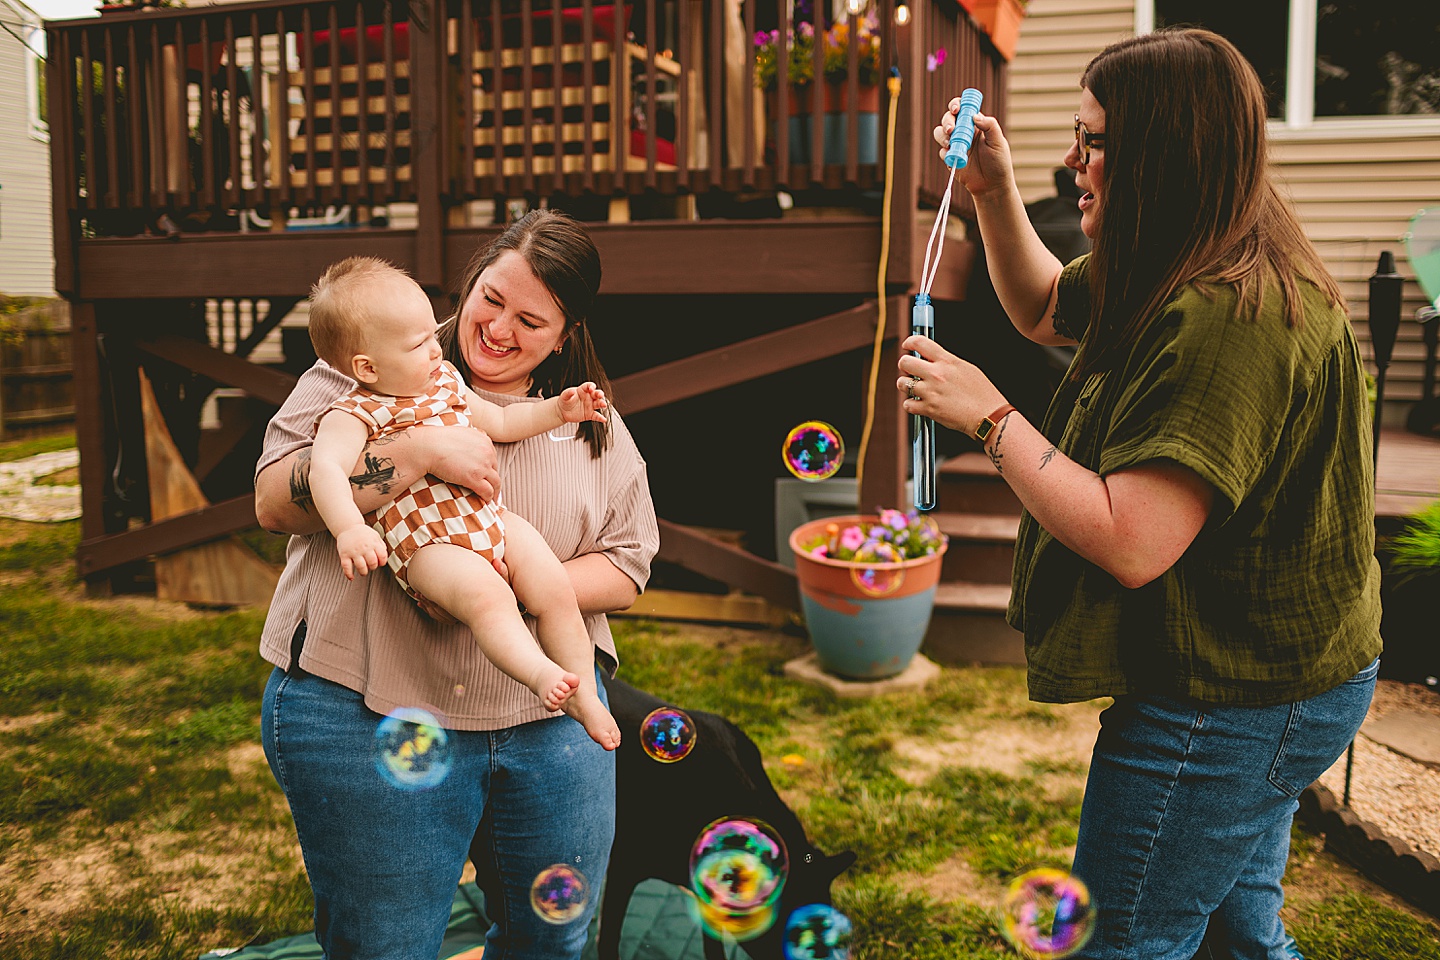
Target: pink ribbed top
370,637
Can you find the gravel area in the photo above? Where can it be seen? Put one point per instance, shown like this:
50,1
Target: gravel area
1399,795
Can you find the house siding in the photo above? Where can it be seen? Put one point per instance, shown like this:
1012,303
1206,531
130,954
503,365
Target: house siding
27,259
1355,197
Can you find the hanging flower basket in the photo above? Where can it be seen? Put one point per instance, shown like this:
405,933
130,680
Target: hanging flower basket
1000,19
867,617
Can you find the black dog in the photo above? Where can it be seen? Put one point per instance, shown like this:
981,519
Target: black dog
662,807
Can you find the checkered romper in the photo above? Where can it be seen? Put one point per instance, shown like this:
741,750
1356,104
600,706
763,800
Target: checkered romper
431,510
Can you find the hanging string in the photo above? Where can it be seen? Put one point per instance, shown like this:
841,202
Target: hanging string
894,86
929,270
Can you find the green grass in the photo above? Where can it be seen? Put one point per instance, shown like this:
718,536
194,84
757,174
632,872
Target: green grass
30,446
128,736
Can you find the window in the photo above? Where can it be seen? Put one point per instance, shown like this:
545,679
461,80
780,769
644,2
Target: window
35,83
1324,61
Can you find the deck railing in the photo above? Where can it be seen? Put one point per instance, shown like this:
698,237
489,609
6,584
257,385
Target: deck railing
254,110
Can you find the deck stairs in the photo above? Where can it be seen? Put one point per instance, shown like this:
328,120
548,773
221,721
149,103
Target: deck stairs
981,515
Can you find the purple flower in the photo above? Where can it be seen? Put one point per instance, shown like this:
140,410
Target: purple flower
893,519
936,60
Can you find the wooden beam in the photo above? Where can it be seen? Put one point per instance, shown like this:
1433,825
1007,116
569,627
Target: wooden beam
272,386
738,608
280,308
729,564
98,554
229,265
768,353
651,257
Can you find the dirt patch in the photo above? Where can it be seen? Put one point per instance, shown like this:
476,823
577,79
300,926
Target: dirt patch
1015,747
953,881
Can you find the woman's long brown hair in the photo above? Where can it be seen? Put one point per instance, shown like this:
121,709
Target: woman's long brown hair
565,260
1187,193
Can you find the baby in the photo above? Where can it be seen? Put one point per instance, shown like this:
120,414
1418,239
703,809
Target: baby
372,322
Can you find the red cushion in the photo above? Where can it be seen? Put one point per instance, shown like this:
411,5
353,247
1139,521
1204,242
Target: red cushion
374,43
664,149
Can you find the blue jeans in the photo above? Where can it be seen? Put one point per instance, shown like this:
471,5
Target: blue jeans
1187,814
384,863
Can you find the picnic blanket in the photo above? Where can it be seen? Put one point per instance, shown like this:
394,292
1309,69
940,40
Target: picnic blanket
658,926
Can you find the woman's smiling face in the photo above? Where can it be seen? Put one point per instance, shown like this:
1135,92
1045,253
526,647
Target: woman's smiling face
508,325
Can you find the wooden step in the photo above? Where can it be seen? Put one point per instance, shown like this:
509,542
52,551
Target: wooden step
982,546
968,625
968,483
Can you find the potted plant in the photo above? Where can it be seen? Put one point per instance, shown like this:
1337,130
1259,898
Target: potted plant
837,40
1411,563
867,588
1000,19
799,73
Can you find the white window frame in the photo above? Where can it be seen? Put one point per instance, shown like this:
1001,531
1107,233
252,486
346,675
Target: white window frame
35,44
1300,122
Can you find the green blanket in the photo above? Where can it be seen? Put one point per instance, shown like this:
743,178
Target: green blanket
658,926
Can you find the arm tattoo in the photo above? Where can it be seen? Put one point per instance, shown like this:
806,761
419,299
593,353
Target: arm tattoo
379,472
1047,456
300,481
995,455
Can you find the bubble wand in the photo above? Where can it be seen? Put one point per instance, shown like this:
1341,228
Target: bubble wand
922,314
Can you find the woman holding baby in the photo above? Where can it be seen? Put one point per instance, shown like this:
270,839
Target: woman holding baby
527,788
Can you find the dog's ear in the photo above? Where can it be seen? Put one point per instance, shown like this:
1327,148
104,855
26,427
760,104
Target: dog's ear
838,863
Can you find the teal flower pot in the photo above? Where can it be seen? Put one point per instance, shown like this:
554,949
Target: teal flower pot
866,620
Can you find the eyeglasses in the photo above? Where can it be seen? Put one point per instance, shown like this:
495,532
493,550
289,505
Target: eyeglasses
1084,140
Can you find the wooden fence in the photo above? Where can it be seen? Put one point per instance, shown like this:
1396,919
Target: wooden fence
36,375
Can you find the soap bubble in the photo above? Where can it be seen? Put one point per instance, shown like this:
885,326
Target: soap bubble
1047,914
813,451
741,926
413,751
738,865
873,581
559,894
817,931
667,734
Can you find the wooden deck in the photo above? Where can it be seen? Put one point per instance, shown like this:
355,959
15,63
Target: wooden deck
195,152
1408,476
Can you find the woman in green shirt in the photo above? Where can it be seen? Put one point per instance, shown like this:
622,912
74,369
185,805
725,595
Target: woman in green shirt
1198,534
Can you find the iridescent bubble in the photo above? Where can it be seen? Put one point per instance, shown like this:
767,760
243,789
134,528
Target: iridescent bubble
738,865
877,581
1047,914
813,451
667,734
817,931
413,751
559,894
741,926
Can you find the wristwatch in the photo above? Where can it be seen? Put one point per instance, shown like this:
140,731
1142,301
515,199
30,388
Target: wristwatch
982,432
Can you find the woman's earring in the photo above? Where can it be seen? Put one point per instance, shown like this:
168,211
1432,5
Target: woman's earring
558,349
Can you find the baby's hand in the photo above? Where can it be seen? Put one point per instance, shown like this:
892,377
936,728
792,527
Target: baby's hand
585,402
361,550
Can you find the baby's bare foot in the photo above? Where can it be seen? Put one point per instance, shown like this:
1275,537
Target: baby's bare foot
586,707
555,687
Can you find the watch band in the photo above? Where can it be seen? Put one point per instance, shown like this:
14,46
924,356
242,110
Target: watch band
982,432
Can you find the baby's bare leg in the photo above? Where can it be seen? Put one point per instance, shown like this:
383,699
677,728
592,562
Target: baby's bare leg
543,586
465,584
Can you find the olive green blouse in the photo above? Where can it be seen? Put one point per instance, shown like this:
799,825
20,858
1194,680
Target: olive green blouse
1278,598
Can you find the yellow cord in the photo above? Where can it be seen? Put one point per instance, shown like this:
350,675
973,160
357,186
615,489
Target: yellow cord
894,85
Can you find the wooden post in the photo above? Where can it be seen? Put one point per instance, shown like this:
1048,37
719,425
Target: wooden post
888,458
89,419
427,150
904,270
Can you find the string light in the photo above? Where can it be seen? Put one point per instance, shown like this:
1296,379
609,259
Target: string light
902,15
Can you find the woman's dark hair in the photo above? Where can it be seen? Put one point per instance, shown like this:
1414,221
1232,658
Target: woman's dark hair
1187,191
563,258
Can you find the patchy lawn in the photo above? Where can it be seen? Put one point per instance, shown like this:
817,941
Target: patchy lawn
138,818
